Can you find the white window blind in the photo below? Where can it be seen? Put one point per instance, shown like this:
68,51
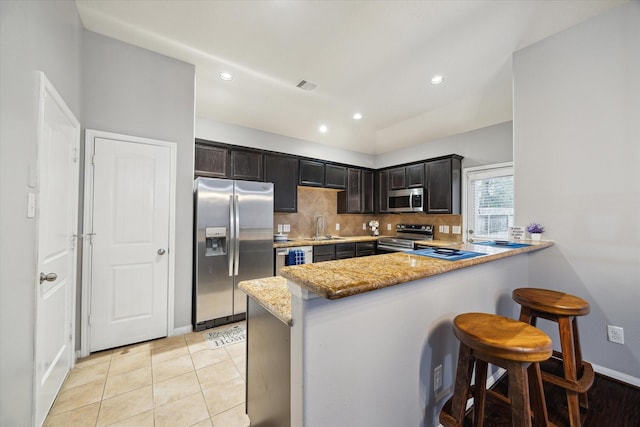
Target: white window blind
490,203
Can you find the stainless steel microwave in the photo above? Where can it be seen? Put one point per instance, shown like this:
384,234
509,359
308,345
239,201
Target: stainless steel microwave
410,200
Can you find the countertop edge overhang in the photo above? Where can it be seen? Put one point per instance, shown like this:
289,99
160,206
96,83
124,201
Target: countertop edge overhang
343,278
273,294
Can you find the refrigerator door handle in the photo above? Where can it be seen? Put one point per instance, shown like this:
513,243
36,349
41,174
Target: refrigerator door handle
231,235
236,250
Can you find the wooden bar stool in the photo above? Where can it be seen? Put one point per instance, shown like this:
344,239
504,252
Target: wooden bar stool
516,346
563,309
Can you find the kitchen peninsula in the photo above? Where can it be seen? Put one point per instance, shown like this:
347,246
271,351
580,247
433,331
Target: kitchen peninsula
367,333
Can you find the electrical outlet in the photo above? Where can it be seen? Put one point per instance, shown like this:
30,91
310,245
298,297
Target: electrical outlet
287,228
440,228
456,229
445,229
337,227
437,378
364,225
279,228
389,227
615,334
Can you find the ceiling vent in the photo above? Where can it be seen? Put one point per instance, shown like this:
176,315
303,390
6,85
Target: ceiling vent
308,86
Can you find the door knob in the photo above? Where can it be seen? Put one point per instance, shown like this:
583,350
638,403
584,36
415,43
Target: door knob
48,277
161,251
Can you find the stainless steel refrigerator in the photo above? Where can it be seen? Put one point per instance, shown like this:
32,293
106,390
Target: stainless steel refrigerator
233,242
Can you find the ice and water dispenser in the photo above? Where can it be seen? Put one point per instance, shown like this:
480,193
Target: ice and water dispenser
216,241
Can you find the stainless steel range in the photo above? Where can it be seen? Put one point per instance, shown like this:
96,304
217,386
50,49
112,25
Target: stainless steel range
406,236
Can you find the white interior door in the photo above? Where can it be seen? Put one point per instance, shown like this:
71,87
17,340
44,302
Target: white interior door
57,216
130,235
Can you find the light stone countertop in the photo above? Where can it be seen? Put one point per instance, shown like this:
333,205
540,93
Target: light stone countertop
272,293
343,278
347,277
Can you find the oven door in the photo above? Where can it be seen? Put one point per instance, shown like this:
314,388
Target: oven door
383,249
391,245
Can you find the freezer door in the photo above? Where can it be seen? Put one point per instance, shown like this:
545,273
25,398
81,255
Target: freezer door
254,260
213,288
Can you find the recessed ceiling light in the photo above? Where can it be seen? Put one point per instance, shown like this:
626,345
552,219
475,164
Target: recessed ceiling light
225,76
436,80
357,116
323,129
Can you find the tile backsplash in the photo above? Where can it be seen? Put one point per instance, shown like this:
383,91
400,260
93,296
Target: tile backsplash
313,202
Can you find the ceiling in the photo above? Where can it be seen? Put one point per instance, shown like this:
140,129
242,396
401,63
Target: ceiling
372,57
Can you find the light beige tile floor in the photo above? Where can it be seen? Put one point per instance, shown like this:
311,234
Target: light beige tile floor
177,381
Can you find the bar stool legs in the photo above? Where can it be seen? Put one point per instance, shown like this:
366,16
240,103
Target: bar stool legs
513,345
563,309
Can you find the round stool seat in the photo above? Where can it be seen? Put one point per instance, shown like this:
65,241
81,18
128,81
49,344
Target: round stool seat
515,346
553,302
502,337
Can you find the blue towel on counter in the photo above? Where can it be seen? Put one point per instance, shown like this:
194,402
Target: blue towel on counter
447,257
295,257
512,245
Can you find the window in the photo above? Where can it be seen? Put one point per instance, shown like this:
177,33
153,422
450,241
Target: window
488,202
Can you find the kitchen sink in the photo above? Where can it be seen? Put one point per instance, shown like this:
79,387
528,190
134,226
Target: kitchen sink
324,238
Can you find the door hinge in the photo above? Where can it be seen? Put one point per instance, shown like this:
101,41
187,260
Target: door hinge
90,236
70,331
74,155
93,159
89,320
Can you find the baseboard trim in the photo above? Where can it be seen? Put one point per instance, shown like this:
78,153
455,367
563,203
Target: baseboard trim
182,330
622,377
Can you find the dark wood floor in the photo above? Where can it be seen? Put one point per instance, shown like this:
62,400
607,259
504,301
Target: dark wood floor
611,404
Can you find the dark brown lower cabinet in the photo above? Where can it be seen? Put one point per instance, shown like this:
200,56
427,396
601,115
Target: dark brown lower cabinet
345,250
365,248
324,253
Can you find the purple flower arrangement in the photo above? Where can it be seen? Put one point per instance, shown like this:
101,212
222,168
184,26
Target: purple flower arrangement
535,228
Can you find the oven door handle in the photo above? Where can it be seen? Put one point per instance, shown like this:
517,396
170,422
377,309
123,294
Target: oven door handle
394,248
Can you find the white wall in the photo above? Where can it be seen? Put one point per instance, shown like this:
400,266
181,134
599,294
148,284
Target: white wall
239,135
34,36
134,91
493,144
576,155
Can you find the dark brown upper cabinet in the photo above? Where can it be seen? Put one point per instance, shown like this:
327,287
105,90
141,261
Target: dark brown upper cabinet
311,173
397,179
365,191
247,165
282,170
406,177
358,197
414,175
211,161
368,191
335,176
382,187
444,186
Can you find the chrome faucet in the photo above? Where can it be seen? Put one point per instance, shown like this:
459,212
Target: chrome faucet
319,226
